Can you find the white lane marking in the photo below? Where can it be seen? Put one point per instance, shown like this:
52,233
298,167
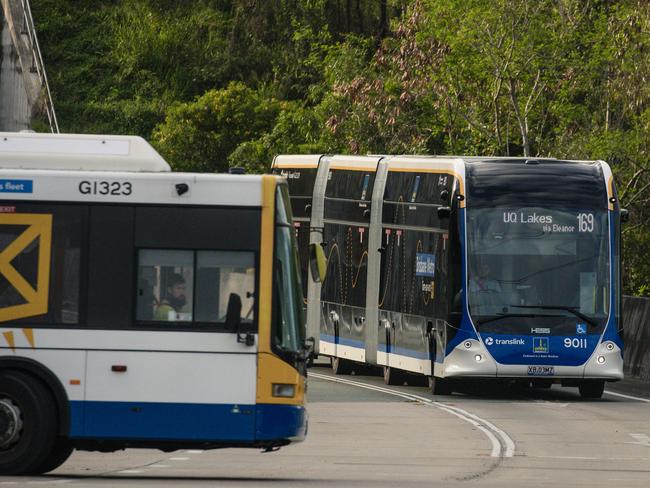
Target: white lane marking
501,442
640,439
130,471
34,482
179,459
629,397
194,451
583,458
158,466
496,445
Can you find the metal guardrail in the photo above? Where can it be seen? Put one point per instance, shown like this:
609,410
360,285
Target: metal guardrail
636,334
38,66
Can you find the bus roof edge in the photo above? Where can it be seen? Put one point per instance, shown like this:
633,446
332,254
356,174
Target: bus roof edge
79,152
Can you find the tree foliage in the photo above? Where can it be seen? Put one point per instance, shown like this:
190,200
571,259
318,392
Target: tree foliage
218,83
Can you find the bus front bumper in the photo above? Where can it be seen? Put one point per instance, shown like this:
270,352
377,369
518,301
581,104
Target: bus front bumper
472,359
281,423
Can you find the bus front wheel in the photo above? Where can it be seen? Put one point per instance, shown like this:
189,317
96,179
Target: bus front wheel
59,455
591,388
27,423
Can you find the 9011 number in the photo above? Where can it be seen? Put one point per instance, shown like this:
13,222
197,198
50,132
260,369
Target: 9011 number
575,343
117,188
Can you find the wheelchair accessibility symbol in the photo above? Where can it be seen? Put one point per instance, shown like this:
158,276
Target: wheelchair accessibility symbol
581,328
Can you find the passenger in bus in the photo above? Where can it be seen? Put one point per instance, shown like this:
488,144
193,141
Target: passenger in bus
171,305
481,281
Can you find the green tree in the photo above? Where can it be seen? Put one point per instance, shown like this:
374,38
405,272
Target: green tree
200,135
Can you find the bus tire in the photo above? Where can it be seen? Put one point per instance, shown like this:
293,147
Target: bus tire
28,423
440,386
393,376
591,388
341,366
60,453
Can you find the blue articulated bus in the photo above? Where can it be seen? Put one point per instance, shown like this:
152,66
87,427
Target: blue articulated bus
455,268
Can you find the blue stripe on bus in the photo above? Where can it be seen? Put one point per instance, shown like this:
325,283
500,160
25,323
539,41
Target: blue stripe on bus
402,351
280,422
611,332
343,341
466,329
185,421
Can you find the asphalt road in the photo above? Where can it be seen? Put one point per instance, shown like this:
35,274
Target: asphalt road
363,433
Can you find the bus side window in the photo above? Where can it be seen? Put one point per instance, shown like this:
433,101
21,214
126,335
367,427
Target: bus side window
170,274
218,274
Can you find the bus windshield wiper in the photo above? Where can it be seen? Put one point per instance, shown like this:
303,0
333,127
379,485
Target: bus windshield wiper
507,315
572,310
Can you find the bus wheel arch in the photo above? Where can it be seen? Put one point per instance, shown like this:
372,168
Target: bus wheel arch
50,381
28,424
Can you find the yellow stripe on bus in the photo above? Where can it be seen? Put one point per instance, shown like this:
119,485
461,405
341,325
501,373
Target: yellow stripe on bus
270,368
266,263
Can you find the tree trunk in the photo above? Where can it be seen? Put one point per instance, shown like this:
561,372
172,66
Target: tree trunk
383,19
360,16
348,15
523,123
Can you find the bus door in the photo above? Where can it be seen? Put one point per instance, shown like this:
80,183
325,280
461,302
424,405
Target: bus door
190,324
414,275
347,208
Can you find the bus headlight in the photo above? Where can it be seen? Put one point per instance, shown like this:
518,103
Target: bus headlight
283,390
478,358
601,359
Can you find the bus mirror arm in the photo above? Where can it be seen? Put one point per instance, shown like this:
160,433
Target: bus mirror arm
233,320
307,353
625,215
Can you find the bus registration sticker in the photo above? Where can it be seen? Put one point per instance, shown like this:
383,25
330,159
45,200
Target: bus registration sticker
541,370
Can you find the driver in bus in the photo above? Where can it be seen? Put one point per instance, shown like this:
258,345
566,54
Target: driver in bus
171,305
481,282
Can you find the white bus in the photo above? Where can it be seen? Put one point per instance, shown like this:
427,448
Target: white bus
141,307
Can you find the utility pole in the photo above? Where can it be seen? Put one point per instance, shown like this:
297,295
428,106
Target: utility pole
24,91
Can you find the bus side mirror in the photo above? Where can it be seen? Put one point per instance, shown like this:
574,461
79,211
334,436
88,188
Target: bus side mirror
317,263
233,320
444,212
625,215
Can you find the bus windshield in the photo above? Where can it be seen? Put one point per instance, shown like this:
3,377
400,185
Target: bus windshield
538,270
288,334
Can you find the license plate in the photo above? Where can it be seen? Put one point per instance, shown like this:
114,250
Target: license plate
541,370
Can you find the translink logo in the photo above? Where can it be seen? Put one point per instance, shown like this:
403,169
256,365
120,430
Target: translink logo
504,342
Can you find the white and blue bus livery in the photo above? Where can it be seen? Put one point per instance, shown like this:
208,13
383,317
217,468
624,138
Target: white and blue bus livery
141,307
463,267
